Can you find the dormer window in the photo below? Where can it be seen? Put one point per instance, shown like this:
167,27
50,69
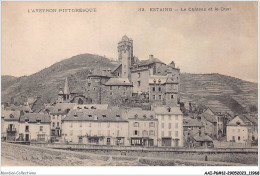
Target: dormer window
59,110
104,115
85,107
75,115
169,109
26,119
38,120
93,107
238,123
151,116
136,116
11,116
89,115
159,81
154,81
144,116
117,115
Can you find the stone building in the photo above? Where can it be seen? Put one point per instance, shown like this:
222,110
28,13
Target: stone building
142,127
242,129
10,126
95,126
35,127
170,126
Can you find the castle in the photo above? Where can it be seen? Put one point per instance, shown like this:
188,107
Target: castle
151,80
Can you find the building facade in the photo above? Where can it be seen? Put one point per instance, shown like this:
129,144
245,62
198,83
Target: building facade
170,126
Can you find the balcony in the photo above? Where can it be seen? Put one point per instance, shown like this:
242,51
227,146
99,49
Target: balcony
11,130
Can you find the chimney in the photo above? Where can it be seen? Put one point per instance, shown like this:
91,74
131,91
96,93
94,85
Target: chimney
151,57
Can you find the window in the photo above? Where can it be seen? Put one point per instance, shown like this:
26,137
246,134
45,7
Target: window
238,138
176,125
169,125
176,117
160,97
151,124
58,124
154,97
153,88
139,75
172,97
53,117
41,137
162,125
145,133
169,117
41,128
53,124
169,109
169,133
176,133
162,133
138,83
151,132
135,132
26,128
111,93
11,116
136,124
110,87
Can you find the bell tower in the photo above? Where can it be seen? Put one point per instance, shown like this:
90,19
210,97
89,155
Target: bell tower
125,56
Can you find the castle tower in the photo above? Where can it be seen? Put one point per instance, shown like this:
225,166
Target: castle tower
125,56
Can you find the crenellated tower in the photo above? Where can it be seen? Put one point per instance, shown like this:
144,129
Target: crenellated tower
125,56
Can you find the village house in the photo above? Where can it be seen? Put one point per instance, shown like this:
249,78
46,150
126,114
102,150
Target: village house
35,127
10,126
170,126
100,127
242,129
194,134
142,127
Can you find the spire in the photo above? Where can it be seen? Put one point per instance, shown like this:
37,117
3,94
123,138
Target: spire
66,87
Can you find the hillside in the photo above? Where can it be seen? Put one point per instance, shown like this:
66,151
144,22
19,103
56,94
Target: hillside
219,91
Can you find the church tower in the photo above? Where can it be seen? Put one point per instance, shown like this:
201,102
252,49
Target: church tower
125,56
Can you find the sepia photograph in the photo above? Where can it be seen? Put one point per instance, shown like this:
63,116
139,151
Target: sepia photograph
146,84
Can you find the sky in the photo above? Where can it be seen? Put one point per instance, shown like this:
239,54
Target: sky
222,42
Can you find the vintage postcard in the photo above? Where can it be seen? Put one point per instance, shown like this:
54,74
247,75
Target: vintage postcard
130,84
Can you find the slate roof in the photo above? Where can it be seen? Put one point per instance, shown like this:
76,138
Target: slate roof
9,115
61,108
118,82
246,120
209,117
139,114
148,62
164,110
188,122
33,117
157,78
114,69
95,115
202,138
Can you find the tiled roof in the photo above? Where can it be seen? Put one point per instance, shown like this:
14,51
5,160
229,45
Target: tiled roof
188,122
95,115
165,110
33,117
118,82
10,115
